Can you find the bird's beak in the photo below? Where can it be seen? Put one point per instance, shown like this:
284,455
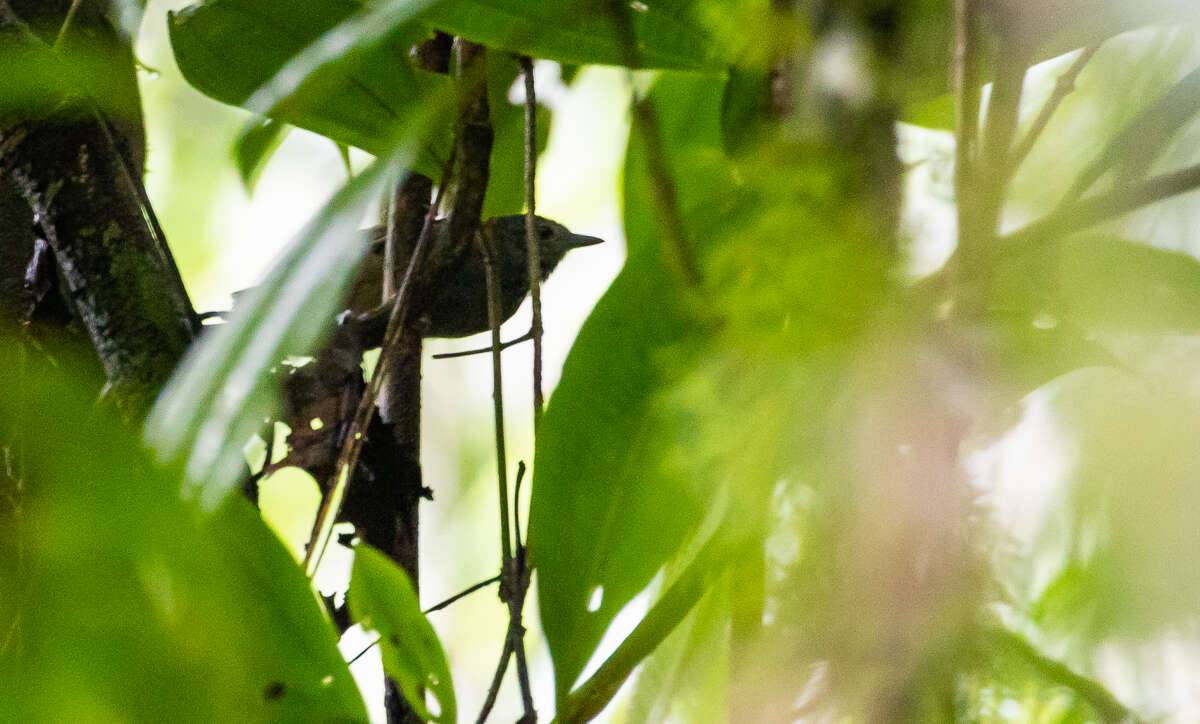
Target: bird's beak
578,240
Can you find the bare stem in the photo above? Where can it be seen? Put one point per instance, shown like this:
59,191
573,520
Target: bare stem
1063,87
497,678
1073,217
462,594
66,24
355,437
966,109
1107,706
533,250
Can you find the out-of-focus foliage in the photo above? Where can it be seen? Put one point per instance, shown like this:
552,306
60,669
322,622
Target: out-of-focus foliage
136,604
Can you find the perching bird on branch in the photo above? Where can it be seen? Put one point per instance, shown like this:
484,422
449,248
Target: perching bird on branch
454,303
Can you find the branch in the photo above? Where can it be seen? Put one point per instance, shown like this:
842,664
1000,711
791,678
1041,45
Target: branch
1093,692
90,209
532,247
356,435
1063,87
498,677
1145,135
966,107
980,217
587,700
1073,217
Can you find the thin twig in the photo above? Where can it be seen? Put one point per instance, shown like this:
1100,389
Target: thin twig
348,459
362,653
1080,215
1063,87
533,249
66,24
462,594
484,350
1093,692
517,505
435,607
1145,134
488,249
497,678
530,714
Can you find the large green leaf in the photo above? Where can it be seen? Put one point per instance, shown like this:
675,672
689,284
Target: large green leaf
608,508
668,34
329,66
382,599
1103,283
138,606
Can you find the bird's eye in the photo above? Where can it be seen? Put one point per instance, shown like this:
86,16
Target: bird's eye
545,232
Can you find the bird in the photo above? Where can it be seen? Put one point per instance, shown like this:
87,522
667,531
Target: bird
454,298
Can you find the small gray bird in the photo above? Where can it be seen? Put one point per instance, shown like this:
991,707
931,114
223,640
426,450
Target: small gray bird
455,302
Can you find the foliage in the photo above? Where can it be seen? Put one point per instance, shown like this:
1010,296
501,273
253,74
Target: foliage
796,455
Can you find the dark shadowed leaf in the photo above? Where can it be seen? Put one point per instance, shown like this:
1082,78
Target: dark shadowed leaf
254,147
336,68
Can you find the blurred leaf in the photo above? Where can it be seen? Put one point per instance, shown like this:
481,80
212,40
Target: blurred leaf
745,109
606,512
1104,283
687,675
255,146
382,599
219,396
334,68
1133,495
138,606
582,31
937,114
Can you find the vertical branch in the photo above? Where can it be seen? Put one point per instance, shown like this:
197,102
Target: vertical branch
398,487
532,247
356,435
998,133
1062,88
966,109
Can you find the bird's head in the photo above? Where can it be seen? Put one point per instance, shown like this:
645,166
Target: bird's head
554,239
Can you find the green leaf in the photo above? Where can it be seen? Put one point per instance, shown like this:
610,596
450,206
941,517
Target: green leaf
255,145
745,109
1104,283
219,396
608,508
382,599
506,191
668,34
137,605
937,114
337,68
